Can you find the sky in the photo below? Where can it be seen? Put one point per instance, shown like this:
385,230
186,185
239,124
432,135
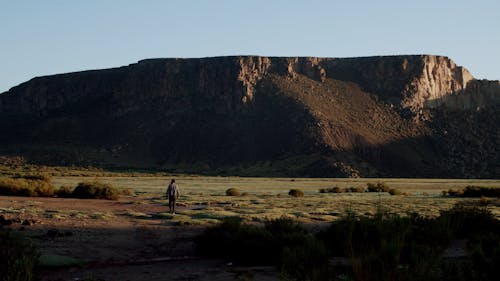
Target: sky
56,36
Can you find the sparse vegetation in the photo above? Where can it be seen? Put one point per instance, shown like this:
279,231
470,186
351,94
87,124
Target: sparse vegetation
473,191
479,191
18,257
30,185
95,190
233,192
334,189
296,193
382,247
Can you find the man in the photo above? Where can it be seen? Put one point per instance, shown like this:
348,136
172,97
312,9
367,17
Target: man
172,194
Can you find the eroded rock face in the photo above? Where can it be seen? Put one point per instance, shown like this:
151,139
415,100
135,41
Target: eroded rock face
378,116
439,77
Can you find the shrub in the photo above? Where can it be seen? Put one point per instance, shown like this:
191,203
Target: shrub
18,257
334,189
95,190
64,192
377,187
127,192
306,261
394,191
357,189
250,244
232,192
453,192
231,239
36,177
464,221
26,186
478,191
296,193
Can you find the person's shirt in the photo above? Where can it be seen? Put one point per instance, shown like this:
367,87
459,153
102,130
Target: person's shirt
172,190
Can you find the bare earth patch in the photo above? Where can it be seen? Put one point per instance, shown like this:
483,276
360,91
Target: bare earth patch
115,245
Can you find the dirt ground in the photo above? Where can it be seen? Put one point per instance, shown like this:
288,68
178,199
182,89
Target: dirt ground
115,245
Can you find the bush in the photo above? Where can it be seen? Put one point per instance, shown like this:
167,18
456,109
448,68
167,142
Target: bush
334,189
27,186
479,191
64,192
306,261
357,189
296,193
233,192
394,191
238,242
250,244
127,192
18,257
377,187
453,192
473,191
95,190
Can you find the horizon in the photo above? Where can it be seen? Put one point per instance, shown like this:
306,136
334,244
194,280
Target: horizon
55,37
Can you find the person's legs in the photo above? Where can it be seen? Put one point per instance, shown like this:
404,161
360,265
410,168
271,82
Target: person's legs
173,204
170,201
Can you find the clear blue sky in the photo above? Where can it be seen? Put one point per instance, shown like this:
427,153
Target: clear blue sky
47,37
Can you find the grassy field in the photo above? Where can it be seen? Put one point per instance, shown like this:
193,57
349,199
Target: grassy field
204,199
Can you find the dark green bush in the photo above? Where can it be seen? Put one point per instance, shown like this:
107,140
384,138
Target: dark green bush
479,191
233,192
377,187
296,193
235,241
250,244
464,221
383,247
95,190
18,257
307,260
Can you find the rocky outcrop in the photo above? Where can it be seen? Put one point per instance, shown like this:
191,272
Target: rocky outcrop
372,116
438,78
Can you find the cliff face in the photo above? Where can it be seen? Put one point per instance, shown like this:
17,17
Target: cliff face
374,116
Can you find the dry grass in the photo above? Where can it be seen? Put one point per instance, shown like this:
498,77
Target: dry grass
205,201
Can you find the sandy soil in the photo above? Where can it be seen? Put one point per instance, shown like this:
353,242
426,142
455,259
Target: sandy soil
115,245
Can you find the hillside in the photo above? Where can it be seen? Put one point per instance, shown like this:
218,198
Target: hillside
398,116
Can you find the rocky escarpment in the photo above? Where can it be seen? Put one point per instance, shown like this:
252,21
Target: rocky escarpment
373,116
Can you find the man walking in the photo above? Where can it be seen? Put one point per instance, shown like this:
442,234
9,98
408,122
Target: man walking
172,194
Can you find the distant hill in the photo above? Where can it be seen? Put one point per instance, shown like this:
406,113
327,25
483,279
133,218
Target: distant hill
395,116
